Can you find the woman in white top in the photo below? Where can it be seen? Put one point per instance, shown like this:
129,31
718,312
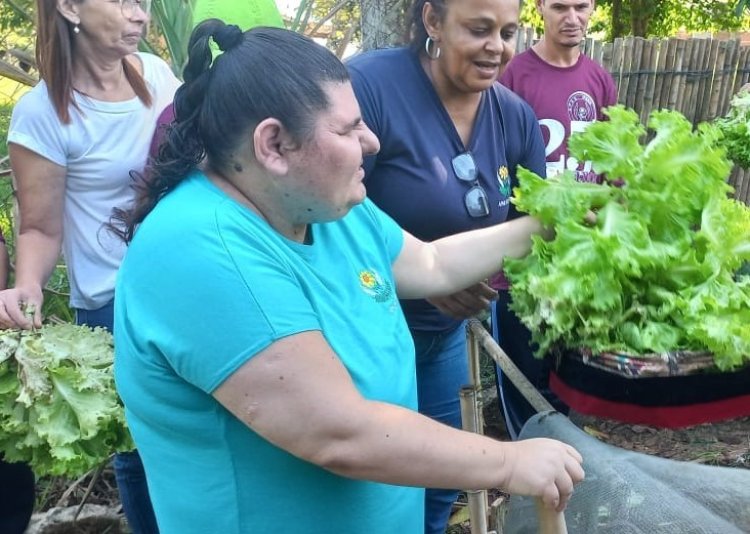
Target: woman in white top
74,140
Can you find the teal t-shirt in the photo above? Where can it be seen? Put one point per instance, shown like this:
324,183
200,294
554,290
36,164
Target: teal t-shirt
205,285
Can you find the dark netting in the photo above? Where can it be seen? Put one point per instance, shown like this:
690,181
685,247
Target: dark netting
627,492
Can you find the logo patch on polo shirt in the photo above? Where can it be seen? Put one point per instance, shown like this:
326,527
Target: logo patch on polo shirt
503,181
374,285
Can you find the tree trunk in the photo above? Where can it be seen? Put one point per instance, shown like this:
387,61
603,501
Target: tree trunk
619,26
384,23
641,12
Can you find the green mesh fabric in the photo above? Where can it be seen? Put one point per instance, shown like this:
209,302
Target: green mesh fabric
631,493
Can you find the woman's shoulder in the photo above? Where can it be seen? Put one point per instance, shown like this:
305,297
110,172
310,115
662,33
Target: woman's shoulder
513,110
154,67
161,81
383,59
36,126
384,73
35,102
34,96
505,95
510,101
150,60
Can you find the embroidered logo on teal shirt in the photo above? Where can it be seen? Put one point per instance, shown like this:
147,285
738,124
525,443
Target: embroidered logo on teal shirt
374,285
503,181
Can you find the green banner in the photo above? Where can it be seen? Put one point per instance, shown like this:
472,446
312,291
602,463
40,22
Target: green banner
244,13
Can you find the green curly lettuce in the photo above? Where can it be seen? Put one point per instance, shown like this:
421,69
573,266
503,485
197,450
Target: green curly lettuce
59,411
660,270
735,129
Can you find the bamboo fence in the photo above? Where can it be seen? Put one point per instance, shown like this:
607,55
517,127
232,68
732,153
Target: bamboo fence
696,76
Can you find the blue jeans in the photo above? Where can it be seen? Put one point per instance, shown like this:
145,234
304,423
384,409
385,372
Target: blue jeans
16,497
129,472
442,370
515,340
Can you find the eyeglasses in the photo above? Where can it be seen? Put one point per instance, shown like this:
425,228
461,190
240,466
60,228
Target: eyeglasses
475,199
129,7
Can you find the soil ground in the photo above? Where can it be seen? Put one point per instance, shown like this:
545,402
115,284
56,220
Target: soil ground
725,443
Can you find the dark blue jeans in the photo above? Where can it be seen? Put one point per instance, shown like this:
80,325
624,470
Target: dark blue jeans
442,370
129,472
16,497
515,340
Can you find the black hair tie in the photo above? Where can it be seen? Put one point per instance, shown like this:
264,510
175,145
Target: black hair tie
228,36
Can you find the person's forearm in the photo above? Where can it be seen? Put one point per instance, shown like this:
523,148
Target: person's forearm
461,260
311,408
398,446
36,256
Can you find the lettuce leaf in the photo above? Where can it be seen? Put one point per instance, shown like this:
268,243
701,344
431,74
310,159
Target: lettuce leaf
735,129
660,269
58,407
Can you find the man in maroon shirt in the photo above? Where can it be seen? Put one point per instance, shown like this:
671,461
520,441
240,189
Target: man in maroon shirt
567,92
566,89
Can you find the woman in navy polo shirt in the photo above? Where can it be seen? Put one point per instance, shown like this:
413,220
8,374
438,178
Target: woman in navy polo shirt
451,139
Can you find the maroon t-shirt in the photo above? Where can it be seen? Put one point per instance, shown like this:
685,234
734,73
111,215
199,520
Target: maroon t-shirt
165,119
565,100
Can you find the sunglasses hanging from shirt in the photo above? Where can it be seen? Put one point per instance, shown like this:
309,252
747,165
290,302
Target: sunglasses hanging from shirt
475,199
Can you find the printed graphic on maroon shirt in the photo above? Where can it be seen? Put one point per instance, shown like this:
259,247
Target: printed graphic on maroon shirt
581,112
565,100
581,107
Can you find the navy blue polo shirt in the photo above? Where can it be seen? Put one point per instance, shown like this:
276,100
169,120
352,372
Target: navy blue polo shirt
412,178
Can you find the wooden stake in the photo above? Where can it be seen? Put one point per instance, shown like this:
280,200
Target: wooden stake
471,423
645,95
550,521
676,82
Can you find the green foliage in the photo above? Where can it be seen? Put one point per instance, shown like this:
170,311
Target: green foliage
172,23
530,17
57,295
652,18
658,271
696,16
6,189
5,113
58,407
663,18
343,18
17,15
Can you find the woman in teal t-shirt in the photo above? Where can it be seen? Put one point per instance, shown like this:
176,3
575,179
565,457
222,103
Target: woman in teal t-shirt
264,362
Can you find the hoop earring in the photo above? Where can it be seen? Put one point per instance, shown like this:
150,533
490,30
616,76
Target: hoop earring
427,46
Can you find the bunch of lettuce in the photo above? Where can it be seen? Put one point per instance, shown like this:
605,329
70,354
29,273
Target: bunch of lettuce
735,129
659,270
59,411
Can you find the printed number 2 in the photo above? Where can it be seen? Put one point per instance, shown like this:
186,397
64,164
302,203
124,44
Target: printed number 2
557,133
556,139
